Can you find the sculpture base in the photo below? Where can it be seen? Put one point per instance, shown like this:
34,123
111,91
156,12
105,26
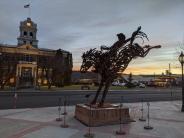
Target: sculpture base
148,127
120,132
58,119
64,126
89,135
142,119
107,115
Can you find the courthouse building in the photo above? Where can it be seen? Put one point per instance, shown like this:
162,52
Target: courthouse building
28,65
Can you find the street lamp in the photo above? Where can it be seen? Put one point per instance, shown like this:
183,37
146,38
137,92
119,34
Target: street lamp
181,60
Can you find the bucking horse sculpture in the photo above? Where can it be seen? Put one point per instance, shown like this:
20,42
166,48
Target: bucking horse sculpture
108,61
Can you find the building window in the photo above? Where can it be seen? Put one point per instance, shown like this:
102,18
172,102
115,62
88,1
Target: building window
31,43
27,58
25,33
24,42
31,34
39,72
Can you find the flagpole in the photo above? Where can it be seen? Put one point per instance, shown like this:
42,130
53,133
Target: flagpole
28,7
29,11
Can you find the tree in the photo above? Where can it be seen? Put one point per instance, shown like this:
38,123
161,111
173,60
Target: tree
58,68
7,69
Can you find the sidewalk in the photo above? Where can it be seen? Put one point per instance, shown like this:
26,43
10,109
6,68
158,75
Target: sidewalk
166,118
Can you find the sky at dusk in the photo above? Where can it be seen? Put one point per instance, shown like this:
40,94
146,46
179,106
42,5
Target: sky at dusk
78,25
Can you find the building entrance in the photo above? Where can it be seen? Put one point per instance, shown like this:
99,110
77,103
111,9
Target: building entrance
26,74
26,79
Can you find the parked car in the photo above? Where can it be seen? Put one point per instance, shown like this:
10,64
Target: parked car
122,84
115,83
142,85
135,82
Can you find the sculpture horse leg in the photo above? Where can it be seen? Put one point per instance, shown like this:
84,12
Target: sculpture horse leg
107,85
98,92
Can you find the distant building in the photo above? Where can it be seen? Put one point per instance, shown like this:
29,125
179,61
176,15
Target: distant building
166,81
77,77
27,65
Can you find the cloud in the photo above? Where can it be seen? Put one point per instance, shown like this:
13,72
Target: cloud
112,22
79,25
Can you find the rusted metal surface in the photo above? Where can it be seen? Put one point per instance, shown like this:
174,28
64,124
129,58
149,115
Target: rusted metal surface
108,61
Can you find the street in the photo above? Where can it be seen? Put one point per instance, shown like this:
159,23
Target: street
31,99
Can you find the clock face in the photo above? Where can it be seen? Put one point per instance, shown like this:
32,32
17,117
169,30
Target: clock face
28,24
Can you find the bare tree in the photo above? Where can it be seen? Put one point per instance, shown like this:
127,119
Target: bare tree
7,69
58,68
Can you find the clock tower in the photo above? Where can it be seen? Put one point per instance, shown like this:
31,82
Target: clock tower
28,30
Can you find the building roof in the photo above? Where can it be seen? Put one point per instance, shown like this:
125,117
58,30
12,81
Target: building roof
51,50
41,49
7,45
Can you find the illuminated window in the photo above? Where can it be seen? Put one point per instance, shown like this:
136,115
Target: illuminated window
28,24
39,80
12,80
39,72
45,81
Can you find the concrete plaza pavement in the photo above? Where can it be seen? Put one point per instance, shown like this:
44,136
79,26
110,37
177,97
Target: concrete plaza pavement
166,118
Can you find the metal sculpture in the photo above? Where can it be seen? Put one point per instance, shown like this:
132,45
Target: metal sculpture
108,61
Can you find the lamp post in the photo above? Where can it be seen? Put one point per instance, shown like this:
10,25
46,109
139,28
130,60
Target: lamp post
181,60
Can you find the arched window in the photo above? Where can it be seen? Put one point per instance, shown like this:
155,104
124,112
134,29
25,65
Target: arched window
27,57
25,33
31,34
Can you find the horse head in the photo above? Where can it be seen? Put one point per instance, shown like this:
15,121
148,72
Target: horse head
88,60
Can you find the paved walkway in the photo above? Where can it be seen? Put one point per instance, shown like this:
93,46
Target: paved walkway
166,118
